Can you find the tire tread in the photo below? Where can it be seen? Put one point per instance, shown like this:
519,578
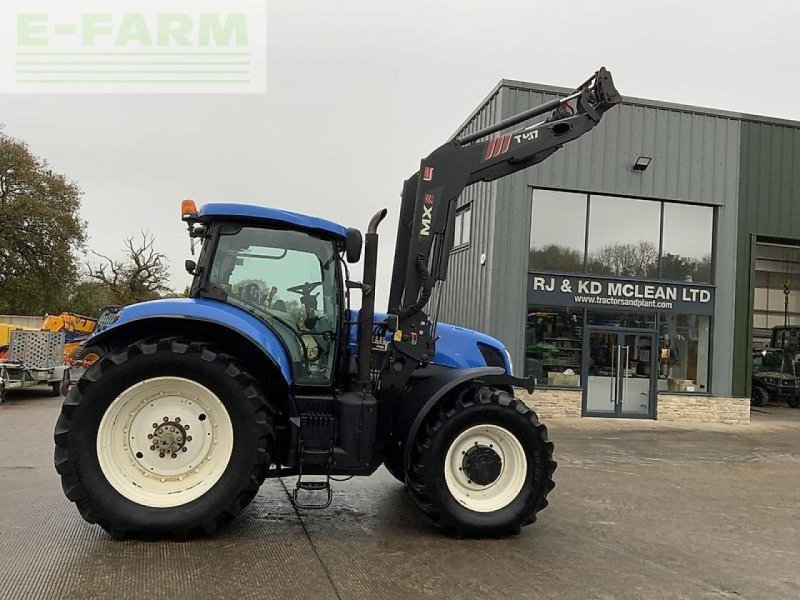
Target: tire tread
65,463
420,455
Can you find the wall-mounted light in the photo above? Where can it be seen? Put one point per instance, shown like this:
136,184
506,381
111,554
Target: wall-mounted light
642,163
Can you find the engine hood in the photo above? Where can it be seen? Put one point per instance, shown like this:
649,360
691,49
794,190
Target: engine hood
456,347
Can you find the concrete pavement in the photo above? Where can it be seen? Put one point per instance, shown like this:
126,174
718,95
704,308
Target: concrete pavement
641,510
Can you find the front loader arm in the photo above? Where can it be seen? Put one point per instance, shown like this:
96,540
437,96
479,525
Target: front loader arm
425,229
427,212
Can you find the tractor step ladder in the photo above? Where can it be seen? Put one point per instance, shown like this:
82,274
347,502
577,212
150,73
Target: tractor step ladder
317,429
315,485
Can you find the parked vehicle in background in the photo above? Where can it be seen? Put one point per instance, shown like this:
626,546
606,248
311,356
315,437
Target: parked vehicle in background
34,358
74,326
19,368
775,377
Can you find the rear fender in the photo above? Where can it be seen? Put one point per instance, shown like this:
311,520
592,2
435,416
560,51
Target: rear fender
263,356
201,315
425,393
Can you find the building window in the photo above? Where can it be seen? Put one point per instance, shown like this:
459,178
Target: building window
553,346
631,239
463,225
626,237
686,246
683,342
558,232
623,237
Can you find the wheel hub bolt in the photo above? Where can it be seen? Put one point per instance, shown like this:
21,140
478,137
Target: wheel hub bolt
169,438
184,449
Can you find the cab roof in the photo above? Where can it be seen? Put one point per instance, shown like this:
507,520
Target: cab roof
219,210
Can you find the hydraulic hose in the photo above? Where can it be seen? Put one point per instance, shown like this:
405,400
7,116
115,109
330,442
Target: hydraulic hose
425,292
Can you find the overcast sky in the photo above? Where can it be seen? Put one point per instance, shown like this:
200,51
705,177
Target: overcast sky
358,91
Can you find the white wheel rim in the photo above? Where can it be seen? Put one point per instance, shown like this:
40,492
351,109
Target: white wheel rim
508,484
194,457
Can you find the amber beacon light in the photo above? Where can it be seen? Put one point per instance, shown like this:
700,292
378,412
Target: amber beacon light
188,209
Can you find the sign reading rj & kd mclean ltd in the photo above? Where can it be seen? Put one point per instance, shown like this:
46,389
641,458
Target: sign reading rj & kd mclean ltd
621,294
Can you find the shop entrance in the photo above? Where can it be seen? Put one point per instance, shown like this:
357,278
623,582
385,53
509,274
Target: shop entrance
619,373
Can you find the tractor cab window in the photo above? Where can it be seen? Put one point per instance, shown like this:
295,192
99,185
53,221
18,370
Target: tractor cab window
288,279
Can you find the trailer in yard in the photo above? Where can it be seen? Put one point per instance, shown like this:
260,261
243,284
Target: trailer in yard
34,358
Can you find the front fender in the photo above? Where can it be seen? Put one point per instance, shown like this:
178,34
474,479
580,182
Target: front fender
201,310
424,395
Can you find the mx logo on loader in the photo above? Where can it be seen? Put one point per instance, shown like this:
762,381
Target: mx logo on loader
427,214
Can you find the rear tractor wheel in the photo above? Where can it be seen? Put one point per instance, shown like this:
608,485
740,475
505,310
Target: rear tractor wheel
163,438
482,466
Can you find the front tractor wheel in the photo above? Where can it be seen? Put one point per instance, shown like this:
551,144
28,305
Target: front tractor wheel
482,466
163,438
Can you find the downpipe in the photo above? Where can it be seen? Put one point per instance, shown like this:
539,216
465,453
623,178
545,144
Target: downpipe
366,316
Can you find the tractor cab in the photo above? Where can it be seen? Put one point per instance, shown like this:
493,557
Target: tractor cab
282,268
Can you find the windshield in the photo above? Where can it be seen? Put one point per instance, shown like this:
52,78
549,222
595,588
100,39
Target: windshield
288,279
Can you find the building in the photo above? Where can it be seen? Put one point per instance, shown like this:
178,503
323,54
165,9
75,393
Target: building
634,291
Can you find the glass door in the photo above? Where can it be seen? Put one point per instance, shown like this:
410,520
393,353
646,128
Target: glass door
600,366
619,374
636,374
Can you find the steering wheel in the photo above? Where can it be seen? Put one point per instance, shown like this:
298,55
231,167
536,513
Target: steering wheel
304,289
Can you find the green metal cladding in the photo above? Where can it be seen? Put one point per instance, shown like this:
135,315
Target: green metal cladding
769,208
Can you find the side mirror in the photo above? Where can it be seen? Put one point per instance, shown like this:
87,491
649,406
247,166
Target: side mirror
191,267
353,245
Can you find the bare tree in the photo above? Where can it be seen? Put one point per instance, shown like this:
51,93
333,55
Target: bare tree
638,259
142,275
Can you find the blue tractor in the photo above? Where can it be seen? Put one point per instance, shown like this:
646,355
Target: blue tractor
265,371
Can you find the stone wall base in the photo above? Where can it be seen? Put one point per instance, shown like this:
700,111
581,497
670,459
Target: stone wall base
550,404
708,409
